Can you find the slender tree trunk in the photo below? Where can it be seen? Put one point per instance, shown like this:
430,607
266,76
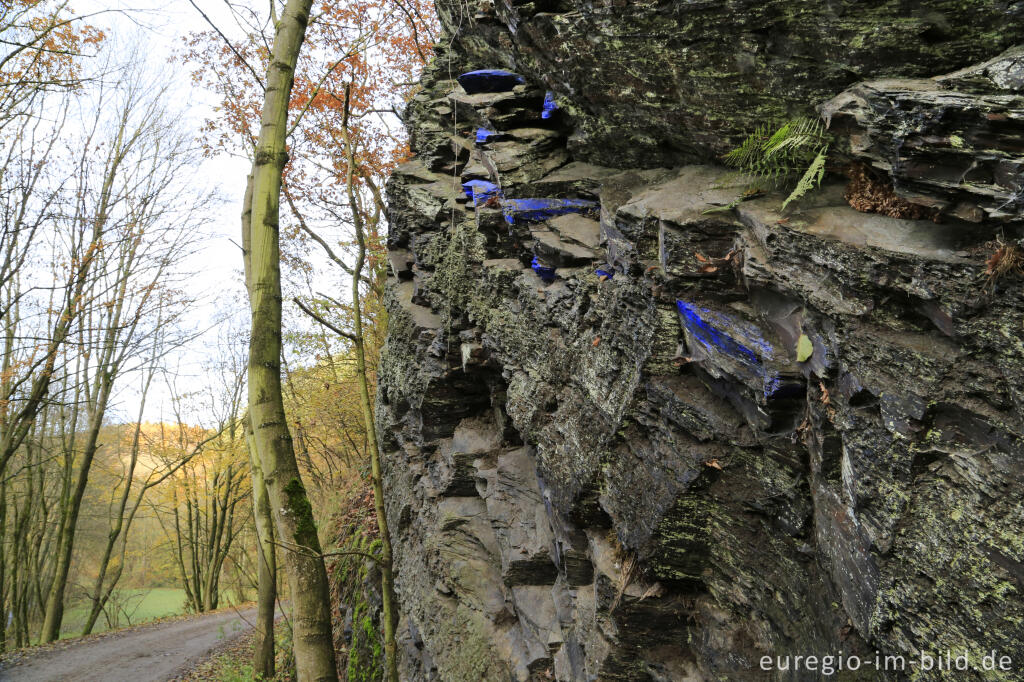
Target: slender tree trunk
263,658
388,601
3,566
214,550
179,555
293,515
194,530
55,600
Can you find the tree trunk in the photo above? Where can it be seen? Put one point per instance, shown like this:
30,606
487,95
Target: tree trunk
293,515
263,658
3,566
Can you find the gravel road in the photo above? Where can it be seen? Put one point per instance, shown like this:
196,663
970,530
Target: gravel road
150,653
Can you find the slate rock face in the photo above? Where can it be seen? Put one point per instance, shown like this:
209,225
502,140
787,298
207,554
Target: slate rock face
664,82
955,143
631,433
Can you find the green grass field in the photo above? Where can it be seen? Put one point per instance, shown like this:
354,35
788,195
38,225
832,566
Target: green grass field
142,605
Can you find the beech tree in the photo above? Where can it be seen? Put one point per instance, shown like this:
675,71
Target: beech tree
266,557
271,439
347,85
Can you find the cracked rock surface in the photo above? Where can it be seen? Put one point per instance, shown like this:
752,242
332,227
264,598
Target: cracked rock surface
955,142
634,430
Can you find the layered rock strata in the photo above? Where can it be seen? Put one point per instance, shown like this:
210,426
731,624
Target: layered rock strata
664,82
954,143
632,433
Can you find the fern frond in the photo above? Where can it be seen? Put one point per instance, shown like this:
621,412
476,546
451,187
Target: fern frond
811,179
749,150
776,157
795,145
780,136
800,137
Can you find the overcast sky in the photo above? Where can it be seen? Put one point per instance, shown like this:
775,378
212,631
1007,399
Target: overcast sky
159,27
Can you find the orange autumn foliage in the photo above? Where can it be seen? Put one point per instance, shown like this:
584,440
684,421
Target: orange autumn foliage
374,47
43,42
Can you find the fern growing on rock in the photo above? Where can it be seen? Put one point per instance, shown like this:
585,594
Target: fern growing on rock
795,152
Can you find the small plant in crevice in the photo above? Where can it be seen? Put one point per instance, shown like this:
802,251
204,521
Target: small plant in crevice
1007,260
791,157
629,567
630,572
868,194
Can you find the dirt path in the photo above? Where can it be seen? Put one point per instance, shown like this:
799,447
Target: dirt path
151,653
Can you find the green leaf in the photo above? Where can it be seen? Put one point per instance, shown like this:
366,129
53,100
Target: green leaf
811,179
804,349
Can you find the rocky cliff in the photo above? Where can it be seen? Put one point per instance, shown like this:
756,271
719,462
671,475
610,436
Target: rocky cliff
639,426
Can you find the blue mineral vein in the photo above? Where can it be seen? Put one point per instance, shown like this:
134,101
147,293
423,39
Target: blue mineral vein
480,190
489,80
545,273
538,210
550,105
705,327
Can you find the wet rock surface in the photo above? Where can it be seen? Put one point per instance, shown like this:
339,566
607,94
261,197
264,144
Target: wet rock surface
639,431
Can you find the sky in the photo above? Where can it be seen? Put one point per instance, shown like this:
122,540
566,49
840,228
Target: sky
159,28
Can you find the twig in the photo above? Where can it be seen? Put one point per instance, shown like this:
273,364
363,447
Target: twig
323,555
231,47
319,240
337,330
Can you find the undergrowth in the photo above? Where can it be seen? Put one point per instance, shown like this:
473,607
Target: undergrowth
868,194
1007,260
234,664
354,585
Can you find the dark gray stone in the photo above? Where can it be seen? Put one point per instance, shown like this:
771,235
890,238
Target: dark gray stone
954,143
768,433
